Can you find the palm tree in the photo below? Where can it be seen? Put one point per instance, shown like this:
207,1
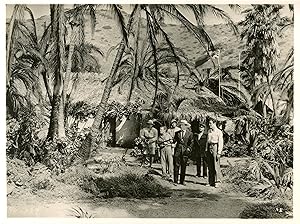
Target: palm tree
56,127
16,23
23,61
77,37
154,15
261,26
137,67
90,142
234,93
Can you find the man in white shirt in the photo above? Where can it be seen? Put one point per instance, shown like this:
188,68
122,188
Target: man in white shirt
214,147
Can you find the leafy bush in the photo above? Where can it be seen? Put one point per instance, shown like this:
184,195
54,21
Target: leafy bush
76,175
22,137
269,173
267,210
61,154
258,179
105,163
233,149
128,185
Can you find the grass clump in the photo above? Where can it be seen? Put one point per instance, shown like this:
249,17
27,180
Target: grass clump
128,185
268,210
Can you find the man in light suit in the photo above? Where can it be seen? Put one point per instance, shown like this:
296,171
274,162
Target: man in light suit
184,143
214,147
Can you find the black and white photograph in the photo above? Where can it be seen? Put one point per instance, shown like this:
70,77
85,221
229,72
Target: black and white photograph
149,110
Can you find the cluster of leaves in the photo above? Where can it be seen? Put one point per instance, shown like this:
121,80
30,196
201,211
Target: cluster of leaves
129,185
61,154
81,111
76,175
116,109
22,137
266,210
235,149
274,142
269,173
105,163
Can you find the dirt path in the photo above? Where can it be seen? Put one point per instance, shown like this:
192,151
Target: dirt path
195,200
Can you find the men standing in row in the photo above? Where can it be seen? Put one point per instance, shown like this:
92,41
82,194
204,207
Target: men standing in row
149,135
184,141
214,147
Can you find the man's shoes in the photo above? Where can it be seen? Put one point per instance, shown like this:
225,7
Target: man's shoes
183,183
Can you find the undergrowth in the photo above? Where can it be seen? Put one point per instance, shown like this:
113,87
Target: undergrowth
267,210
128,185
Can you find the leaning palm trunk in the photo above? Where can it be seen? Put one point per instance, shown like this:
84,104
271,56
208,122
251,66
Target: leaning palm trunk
90,144
56,127
136,58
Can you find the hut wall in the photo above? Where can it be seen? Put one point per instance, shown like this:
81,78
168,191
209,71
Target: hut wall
128,132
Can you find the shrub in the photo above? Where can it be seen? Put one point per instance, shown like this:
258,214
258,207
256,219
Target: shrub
267,210
22,137
76,175
233,149
128,185
61,154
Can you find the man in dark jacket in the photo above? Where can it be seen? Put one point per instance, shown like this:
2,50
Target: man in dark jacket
184,143
199,150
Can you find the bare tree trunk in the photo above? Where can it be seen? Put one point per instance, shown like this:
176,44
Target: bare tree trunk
56,127
90,144
136,57
47,85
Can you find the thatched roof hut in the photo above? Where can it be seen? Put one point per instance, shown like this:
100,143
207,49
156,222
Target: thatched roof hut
194,104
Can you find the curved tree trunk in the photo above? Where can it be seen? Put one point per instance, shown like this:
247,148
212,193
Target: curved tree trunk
136,57
56,127
90,144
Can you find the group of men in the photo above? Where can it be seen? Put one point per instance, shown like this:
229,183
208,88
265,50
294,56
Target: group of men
178,143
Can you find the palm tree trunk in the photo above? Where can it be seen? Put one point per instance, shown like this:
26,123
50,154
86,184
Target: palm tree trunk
90,144
136,59
68,75
56,127
47,85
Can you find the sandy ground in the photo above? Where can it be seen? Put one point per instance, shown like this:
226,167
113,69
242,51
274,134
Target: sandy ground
195,200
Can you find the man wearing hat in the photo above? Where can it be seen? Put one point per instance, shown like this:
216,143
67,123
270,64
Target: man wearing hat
149,135
184,143
172,130
199,150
